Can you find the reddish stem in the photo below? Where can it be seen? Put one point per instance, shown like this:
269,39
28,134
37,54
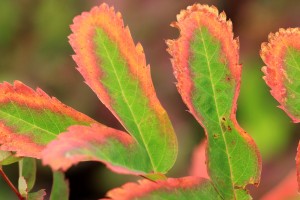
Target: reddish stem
10,184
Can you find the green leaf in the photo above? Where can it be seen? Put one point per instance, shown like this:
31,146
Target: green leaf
118,150
30,119
185,188
206,66
22,186
60,187
39,195
7,158
115,68
282,71
27,170
282,58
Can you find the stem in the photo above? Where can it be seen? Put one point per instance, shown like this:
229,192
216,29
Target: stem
10,184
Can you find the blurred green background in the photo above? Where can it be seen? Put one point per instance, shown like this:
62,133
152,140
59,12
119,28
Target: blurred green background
34,49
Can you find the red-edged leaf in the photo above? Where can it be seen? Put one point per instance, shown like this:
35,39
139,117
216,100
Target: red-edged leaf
116,71
282,71
199,167
282,58
30,119
205,60
172,188
114,148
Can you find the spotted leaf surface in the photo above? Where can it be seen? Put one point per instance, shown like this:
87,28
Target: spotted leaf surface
115,69
282,71
30,119
181,188
206,65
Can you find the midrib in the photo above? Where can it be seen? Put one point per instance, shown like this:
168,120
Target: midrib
128,105
216,107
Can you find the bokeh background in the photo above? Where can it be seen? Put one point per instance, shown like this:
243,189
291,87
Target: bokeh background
34,49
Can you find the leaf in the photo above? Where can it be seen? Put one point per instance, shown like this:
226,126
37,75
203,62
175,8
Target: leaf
7,158
282,58
27,176
115,69
206,66
30,119
282,71
199,167
172,188
22,186
118,150
60,187
39,195
27,170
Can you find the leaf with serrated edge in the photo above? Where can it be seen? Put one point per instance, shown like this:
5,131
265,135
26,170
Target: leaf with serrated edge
115,69
118,150
282,71
206,66
60,187
282,58
30,119
185,188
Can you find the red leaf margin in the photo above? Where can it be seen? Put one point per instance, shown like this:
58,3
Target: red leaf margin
273,53
187,22
85,56
84,28
145,186
38,100
78,137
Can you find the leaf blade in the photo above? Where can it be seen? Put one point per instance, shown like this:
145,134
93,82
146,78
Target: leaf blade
172,188
280,55
7,158
60,187
39,195
282,58
116,71
27,170
205,63
30,119
116,149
